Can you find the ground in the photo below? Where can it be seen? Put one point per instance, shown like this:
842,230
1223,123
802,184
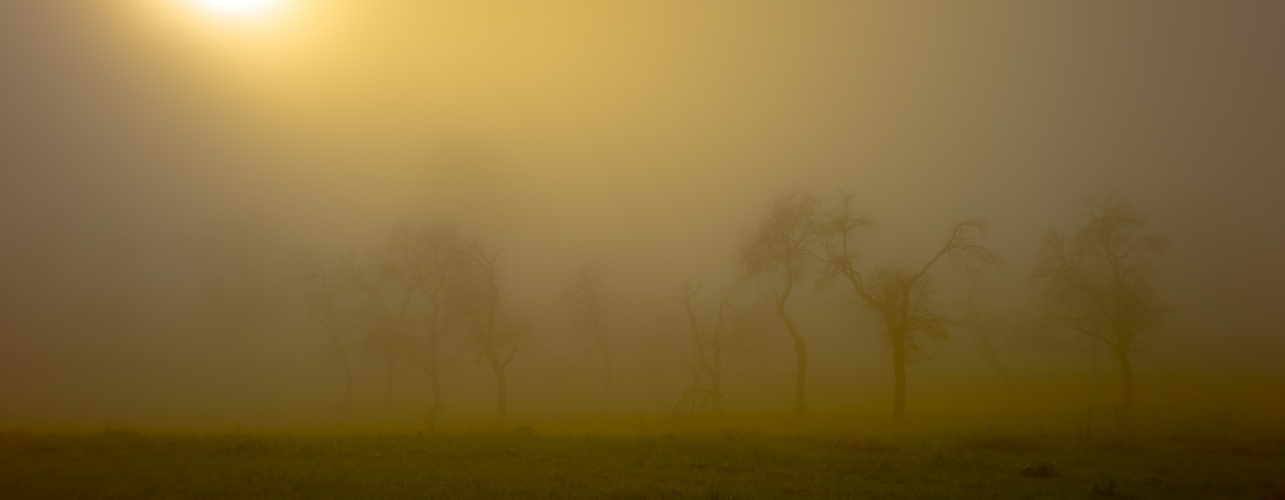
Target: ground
524,462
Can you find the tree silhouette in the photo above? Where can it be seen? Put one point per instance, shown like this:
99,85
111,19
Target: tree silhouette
497,334
983,326
555,361
901,297
381,310
585,297
315,277
438,265
391,296
697,398
783,250
1099,281
387,286
651,351
708,346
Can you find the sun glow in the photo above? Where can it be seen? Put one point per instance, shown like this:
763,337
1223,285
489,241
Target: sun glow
240,9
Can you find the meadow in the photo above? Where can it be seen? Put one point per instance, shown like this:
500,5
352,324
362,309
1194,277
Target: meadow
657,460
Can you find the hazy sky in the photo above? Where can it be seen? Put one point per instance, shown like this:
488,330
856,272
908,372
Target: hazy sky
651,133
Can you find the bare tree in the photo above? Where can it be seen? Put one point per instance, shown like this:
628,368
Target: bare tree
391,296
784,249
695,399
652,352
708,346
901,297
1099,282
698,362
983,326
315,278
385,314
585,296
438,265
733,333
496,333
379,312
555,361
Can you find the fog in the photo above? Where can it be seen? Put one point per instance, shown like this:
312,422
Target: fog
159,168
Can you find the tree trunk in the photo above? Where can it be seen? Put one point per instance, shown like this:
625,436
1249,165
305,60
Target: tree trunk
388,382
557,395
434,372
715,388
343,360
899,376
1008,381
606,383
1126,370
993,360
801,355
501,414
655,395
347,383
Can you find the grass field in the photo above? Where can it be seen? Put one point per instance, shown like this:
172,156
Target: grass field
891,462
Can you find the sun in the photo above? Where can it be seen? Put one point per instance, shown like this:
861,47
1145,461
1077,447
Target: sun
241,9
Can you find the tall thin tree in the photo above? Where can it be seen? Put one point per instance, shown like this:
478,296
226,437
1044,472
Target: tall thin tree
585,297
497,334
315,278
983,325
555,361
1100,281
901,297
782,251
380,310
709,344
440,264
652,352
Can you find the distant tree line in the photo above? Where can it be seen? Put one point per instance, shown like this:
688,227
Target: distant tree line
429,282
431,286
